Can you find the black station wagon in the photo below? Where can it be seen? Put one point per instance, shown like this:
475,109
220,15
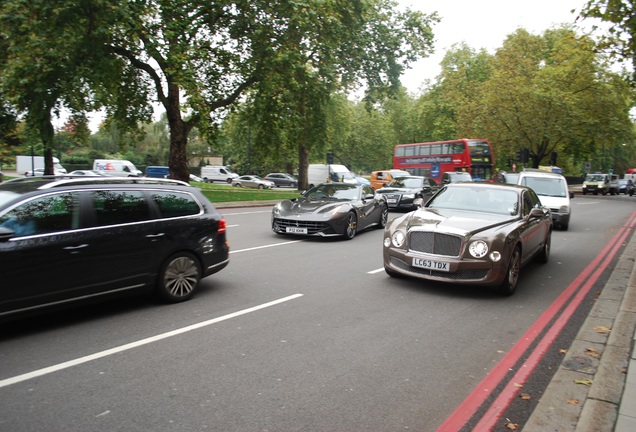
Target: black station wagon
65,241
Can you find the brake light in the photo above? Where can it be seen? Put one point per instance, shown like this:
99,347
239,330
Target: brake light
222,228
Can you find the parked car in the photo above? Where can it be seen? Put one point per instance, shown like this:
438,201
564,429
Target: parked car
252,181
282,180
381,178
470,234
195,178
331,209
626,186
39,172
66,241
508,177
408,193
456,177
89,173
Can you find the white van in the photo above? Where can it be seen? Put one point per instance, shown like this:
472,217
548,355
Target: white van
212,173
116,167
553,192
321,173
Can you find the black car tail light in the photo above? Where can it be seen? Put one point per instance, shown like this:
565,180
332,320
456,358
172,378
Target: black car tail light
222,227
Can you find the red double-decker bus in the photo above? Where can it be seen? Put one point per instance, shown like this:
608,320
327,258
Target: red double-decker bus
432,159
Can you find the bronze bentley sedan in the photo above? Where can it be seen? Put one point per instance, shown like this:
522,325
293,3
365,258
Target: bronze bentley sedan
470,233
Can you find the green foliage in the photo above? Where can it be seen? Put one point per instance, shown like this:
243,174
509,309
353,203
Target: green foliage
620,39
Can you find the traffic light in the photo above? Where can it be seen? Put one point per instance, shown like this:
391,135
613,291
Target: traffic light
330,158
553,158
525,155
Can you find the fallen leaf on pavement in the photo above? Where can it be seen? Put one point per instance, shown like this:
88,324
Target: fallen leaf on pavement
563,351
512,426
592,352
525,396
602,329
573,401
518,385
583,381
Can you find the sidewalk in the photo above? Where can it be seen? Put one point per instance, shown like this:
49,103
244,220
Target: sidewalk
594,389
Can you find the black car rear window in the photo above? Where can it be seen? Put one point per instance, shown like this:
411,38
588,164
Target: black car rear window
175,204
119,207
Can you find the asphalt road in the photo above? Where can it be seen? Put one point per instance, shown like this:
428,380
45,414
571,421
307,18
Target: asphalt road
294,335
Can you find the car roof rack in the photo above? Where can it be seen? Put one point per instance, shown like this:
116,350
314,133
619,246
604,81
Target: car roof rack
52,181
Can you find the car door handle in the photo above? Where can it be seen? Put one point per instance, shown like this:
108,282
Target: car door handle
154,236
75,249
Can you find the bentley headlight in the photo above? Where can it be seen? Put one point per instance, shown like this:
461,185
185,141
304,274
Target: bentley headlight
478,249
408,196
398,238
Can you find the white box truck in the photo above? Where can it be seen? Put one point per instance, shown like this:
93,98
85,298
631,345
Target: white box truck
322,173
24,164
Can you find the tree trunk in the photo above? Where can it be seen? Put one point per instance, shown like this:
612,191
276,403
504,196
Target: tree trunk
178,162
303,165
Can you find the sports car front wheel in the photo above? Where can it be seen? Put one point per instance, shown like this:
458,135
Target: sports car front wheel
384,217
351,226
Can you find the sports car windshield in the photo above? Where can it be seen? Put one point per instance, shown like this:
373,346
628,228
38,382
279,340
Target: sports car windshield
476,199
336,191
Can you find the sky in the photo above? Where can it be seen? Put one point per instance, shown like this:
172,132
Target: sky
483,24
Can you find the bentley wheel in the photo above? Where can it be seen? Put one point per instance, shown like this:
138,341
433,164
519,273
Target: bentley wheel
544,255
179,277
509,284
351,226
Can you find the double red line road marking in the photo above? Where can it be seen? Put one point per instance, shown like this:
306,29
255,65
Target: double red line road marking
568,301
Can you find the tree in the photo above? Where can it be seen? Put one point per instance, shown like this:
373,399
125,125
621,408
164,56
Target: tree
620,40
329,48
548,93
52,57
464,71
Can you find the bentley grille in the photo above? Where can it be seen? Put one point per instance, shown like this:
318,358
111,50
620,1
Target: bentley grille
435,243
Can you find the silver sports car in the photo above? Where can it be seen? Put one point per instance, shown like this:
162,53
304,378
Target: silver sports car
331,209
470,233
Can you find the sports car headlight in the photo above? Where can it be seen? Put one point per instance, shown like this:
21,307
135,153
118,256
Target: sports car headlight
336,210
398,238
478,249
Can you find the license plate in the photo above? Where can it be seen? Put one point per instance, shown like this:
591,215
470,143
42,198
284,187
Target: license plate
296,230
391,201
431,265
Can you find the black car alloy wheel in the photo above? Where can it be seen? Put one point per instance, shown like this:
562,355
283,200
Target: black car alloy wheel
179,277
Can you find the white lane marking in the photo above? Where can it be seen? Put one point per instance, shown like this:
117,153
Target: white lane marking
266,246
587,203
381,269
48,370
